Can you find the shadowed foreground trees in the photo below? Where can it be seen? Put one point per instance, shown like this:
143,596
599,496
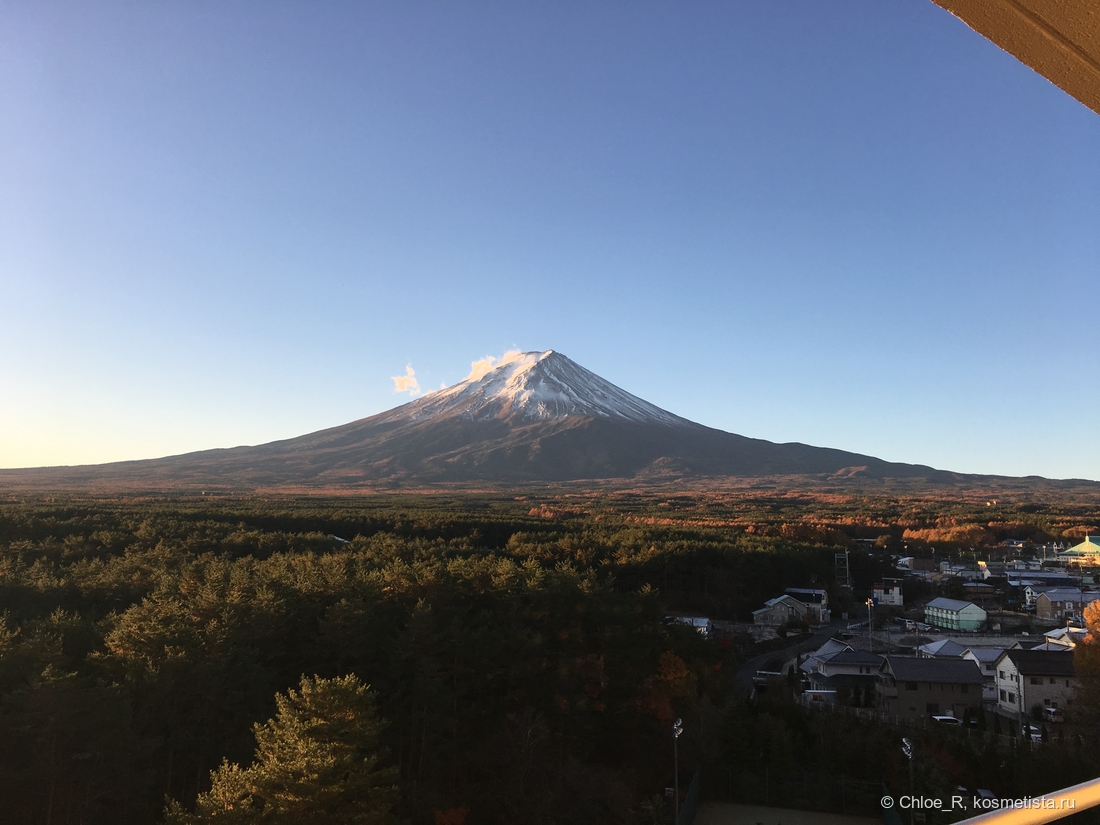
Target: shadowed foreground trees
524,665
1086,664
318,761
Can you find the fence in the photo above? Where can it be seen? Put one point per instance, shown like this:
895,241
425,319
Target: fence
1001,740
690,805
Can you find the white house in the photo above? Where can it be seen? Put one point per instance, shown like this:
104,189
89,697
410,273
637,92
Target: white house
852,673
812,663
986,660
1029,679
888,592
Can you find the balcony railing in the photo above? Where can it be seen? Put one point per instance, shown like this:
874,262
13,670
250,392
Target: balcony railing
1042,809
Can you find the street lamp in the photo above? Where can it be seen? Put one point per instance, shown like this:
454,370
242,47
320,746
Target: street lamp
907,749
871,625
677,729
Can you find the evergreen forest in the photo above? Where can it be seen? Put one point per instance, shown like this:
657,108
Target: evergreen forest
454,659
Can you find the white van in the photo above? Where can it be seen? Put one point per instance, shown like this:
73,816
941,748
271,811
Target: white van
947,720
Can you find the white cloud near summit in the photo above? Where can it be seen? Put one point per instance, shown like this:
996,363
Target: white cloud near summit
407,382
479,368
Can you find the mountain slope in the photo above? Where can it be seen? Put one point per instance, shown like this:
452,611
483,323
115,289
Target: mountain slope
531,417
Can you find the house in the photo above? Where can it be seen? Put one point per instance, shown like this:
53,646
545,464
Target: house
816,601
1045,645
1039,580
1029,679
701,623
813,662
852,674
1085,554
852,663
1027,644
953,614
1067,636
780,610
973,574
888,592
915,688
1062,603
914,564
944,648
986,660
1032,589
980,593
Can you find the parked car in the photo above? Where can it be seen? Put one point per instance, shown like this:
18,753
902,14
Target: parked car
947,720
1053,715
980,795
1031,732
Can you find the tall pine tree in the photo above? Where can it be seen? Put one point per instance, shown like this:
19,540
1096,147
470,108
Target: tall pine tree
318,761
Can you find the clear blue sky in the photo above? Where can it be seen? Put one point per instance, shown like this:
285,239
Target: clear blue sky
852,224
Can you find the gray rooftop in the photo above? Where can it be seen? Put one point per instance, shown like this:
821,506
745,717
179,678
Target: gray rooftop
986,654
950,604
1068,594
807,594
1042,662
823,653
913,669
856,657
944,647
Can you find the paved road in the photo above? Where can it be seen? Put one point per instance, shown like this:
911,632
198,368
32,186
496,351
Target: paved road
806,645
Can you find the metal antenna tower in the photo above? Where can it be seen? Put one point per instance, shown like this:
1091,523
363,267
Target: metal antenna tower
843,572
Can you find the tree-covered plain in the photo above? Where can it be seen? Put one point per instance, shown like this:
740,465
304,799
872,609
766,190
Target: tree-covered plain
520,664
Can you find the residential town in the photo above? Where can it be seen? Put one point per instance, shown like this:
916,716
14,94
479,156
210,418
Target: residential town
994,652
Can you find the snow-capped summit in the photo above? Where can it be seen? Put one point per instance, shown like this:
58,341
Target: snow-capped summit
533,386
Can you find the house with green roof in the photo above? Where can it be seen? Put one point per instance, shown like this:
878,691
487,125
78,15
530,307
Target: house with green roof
1085,554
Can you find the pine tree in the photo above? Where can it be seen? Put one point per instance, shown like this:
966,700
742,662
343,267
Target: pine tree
317,761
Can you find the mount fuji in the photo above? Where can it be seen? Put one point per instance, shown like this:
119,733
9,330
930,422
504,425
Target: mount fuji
532,417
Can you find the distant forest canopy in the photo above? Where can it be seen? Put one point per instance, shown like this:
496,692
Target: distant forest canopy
520,664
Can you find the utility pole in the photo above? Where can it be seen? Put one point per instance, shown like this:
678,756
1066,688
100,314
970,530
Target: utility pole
677,729
907,749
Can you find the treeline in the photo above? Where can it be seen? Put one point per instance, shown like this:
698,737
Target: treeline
716,569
